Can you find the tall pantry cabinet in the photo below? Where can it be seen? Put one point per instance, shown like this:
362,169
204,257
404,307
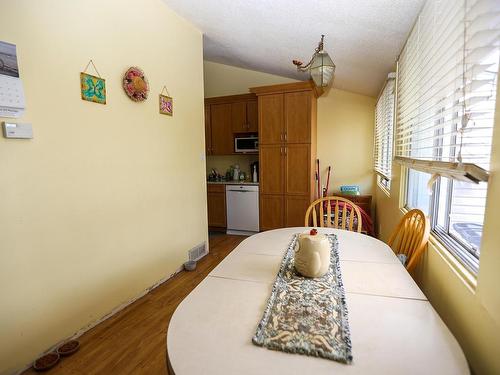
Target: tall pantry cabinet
287,152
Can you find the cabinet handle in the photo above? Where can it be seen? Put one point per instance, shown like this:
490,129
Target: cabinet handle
285,136
285,150
281,150
281,136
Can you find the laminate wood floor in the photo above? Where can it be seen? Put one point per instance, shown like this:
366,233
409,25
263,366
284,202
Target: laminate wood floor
134,340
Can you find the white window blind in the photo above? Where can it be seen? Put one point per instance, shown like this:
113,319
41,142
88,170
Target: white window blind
384,125
447,75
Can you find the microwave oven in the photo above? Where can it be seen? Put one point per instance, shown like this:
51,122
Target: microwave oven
246,144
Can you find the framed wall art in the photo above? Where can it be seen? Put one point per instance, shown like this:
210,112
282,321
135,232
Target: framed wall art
166,103
93,88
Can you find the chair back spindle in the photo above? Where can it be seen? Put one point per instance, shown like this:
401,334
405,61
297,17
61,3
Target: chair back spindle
346,214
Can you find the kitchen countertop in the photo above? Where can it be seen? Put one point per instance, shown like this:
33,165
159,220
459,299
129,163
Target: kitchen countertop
232,182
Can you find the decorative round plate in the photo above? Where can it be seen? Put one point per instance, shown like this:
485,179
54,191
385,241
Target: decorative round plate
135,84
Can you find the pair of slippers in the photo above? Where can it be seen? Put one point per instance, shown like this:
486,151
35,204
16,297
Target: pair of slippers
51,359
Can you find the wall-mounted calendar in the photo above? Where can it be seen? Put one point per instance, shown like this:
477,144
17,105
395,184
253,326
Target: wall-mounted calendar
12,102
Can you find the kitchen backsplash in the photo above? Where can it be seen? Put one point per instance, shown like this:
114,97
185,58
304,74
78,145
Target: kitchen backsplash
223,162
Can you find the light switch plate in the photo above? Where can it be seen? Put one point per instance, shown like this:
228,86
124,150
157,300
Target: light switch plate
13,130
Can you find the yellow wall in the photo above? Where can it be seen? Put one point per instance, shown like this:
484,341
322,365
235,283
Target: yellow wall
345,123
95,208
345,138
222,80
471,313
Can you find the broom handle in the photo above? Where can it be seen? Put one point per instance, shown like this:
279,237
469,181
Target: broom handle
319,180
328,181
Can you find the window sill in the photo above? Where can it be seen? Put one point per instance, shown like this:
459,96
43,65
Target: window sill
467,277
384,189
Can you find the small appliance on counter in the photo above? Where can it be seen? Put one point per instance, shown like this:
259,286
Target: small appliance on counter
246,144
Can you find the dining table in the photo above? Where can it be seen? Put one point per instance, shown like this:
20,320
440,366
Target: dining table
393,327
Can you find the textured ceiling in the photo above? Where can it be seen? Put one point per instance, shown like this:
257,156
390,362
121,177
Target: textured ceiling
363,37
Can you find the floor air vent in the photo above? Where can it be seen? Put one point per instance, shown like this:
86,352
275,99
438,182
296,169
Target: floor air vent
198,252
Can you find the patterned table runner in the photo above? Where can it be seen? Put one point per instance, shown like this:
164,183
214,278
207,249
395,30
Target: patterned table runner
307,315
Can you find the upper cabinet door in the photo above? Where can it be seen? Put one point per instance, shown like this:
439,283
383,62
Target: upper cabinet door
271,121
208,130
252,116
298,117
222,132
239,117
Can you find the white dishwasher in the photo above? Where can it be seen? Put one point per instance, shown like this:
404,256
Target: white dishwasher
242,209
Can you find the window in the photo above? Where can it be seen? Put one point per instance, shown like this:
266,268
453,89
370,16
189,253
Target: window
447,76
384,124
456,209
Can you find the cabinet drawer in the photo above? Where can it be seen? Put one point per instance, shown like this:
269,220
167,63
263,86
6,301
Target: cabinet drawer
216,188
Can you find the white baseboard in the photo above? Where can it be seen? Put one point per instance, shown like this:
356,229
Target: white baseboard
116,310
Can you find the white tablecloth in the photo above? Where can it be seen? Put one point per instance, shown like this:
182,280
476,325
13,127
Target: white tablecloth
394,329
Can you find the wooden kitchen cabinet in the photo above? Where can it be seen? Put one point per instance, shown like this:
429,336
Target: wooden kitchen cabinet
297,117
286,118
216,205
226,116
285,168
252,116
222,133
271,169
244,117
239,117
297,160
271,119
287,152
285,173
295,209
271,211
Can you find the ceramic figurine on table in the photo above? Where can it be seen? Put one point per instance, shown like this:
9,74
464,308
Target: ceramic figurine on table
312,256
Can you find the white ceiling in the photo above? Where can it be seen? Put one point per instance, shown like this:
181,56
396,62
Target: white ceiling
363,37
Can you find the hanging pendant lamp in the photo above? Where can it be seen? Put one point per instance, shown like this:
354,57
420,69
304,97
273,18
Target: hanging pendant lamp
320,67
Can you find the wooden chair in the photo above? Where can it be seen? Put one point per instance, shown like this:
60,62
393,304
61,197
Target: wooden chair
410,237
345,214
